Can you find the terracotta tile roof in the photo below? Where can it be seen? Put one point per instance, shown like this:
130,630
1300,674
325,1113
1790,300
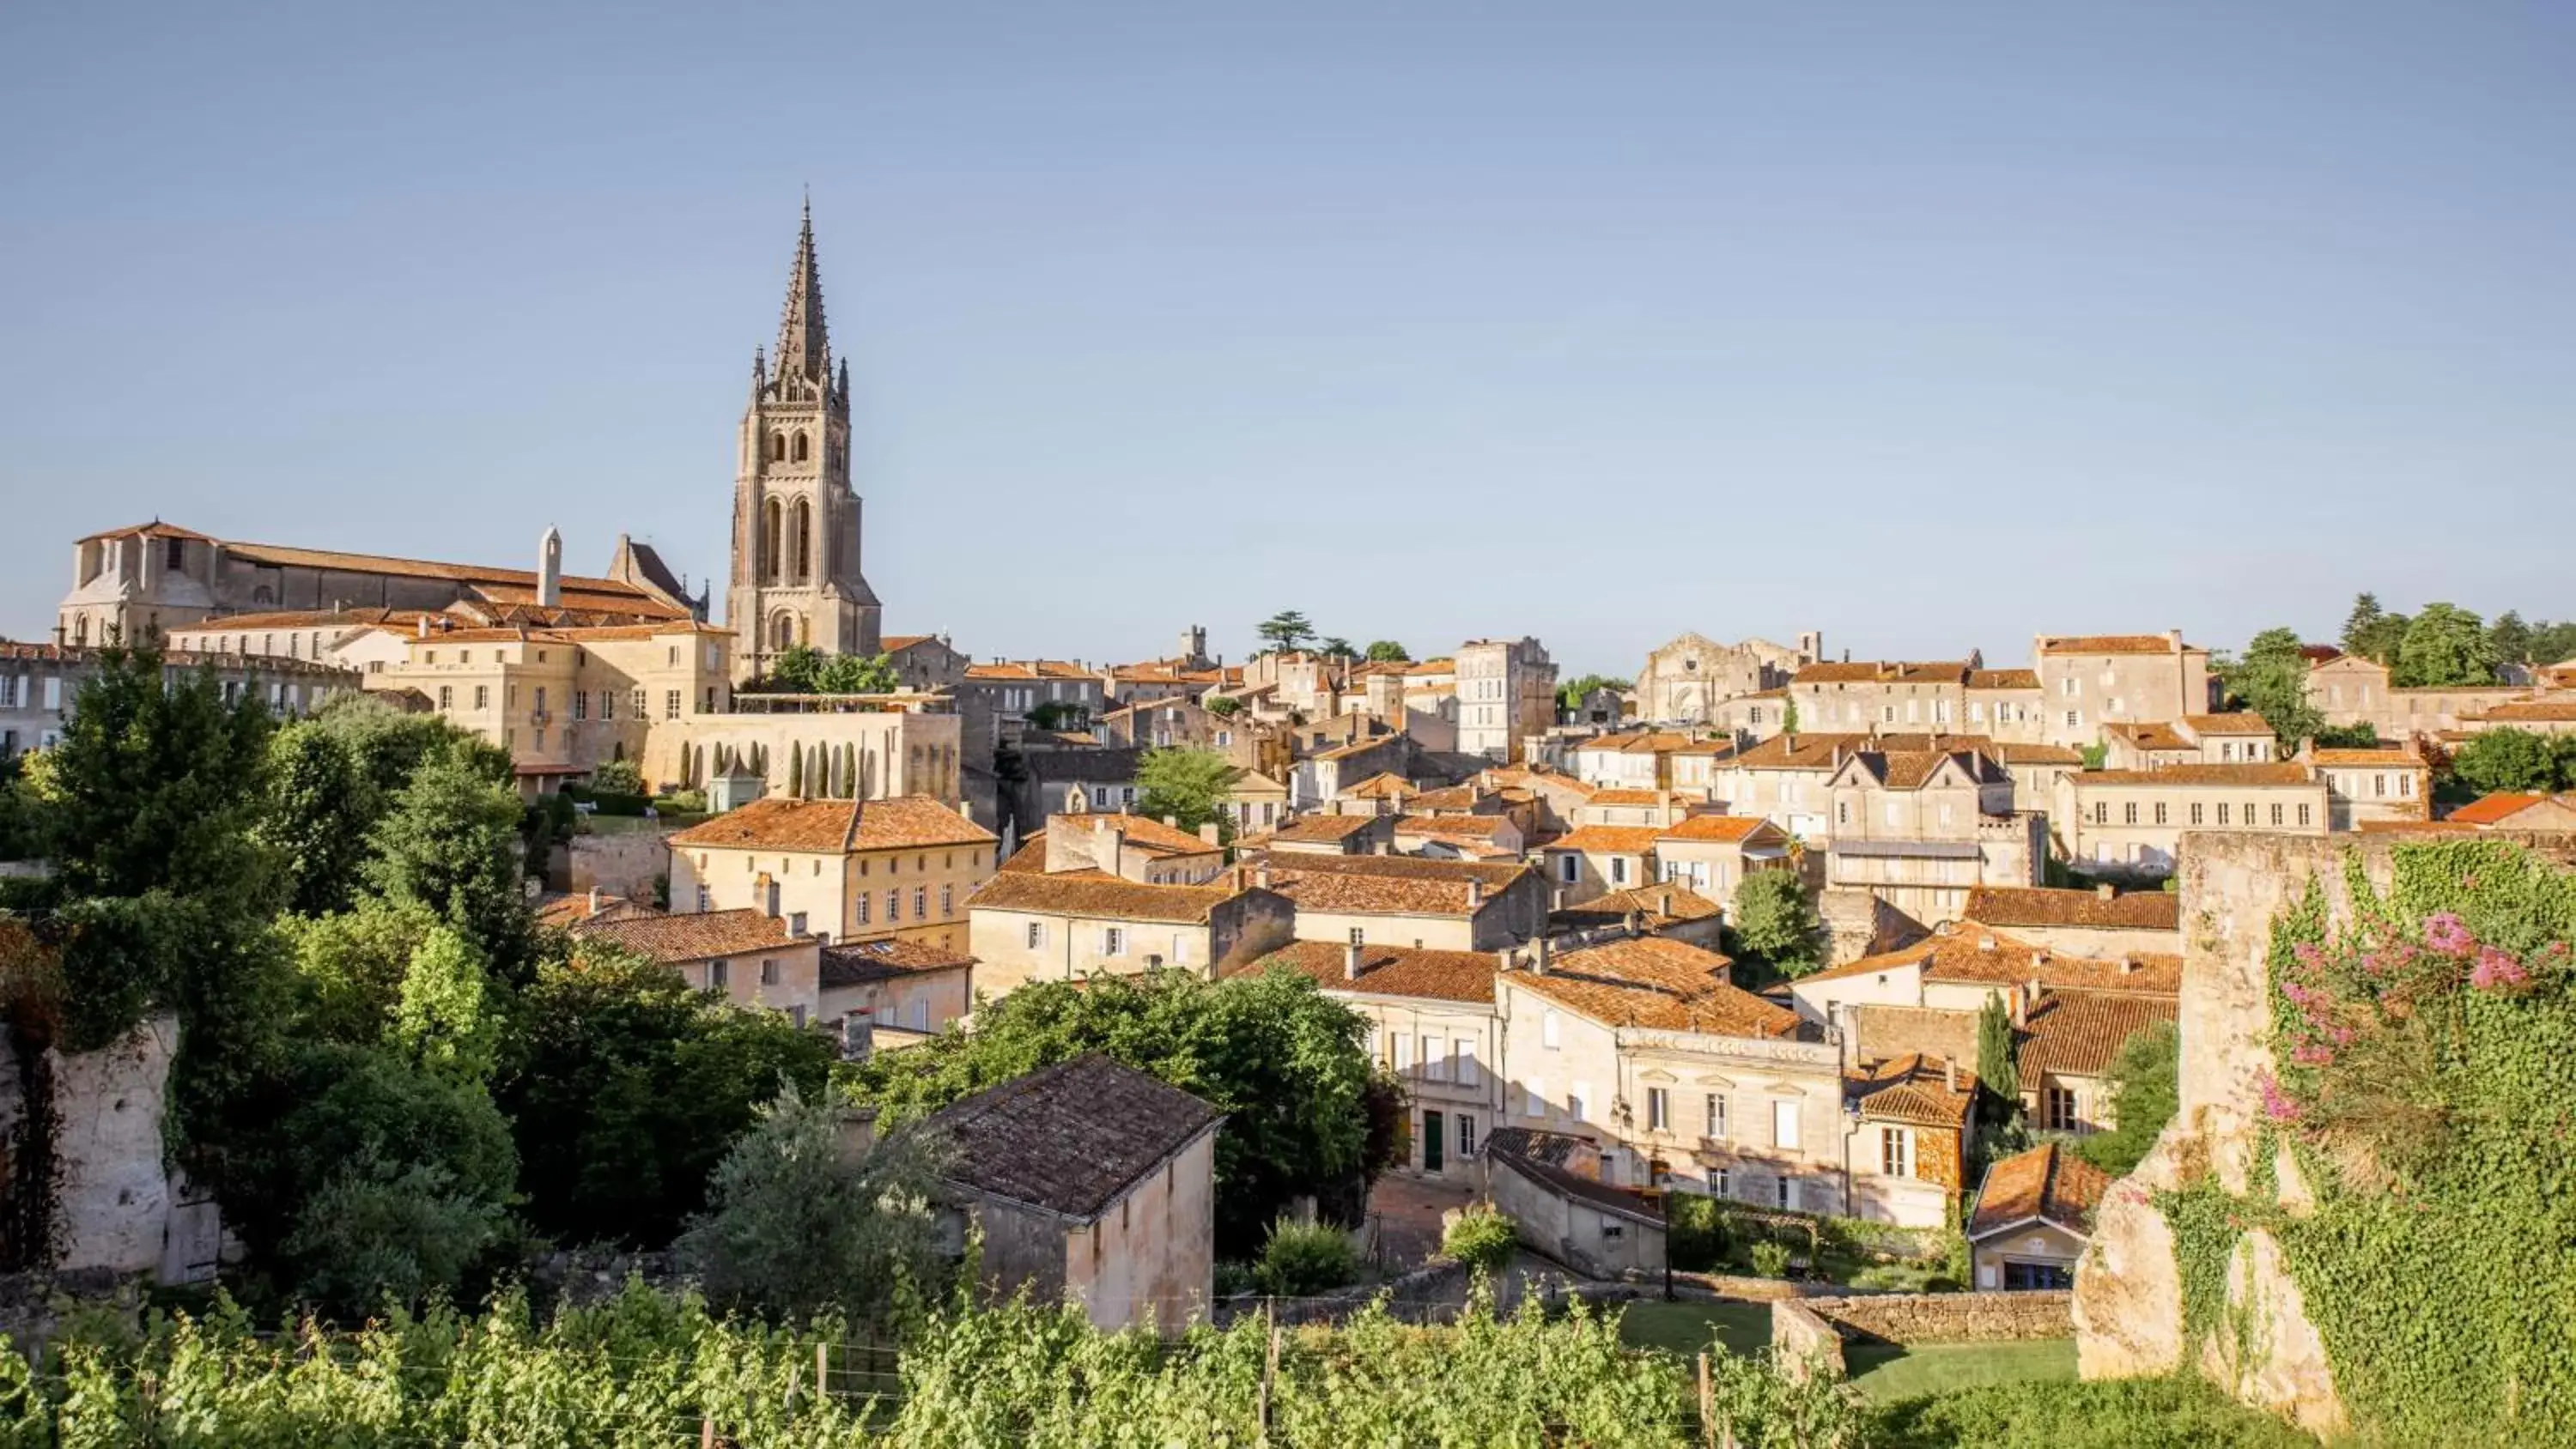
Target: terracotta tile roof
1721,828
1883,671
2003,679
155,529
286,556
2488,809
2238,722
1628,797
1030,669
855,963
1446,798
561,911
2077,1033
1383,785
1442,665
1659,906
1031,856
307,619
1807,751
897,643
1140,830
2158,736
2537,711
2282,773
1071,1139
1963,955
1466,976
1912,1088
2373,759
2013,754
1324,829
696,937
2047,1184
1092,893
836,826
1374,893
1609,839
1659,983
2039,906
1914,769
2107,644
1465,826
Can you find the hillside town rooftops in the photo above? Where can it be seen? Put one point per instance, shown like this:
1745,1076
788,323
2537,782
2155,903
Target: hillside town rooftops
1462,976
2046,1184
1071,1138
835,826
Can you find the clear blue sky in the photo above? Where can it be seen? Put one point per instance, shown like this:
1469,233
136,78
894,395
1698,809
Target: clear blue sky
1926,325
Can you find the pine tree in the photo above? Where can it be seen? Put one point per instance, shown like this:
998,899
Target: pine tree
1995,1069
796,773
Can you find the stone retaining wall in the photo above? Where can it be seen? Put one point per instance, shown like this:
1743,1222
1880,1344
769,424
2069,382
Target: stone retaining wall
1905,1318
1802,1342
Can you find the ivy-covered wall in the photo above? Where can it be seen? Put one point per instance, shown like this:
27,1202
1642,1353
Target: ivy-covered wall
2409,1162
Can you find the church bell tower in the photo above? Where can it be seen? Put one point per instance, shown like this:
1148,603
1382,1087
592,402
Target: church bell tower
796,525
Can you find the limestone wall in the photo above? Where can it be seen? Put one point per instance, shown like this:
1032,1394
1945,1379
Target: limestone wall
2128,1312
1802,1342
112,1194
621,864
1905,1318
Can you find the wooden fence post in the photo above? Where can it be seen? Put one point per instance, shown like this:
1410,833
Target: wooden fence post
707,1433
822,1371
1269,1367
1707,1405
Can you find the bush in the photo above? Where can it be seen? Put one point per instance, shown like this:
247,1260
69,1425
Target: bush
617,777
681,802
2108,1414
1481,1238
1304,1259
1770,1259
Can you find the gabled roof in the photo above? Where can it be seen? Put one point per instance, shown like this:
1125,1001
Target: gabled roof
700,936
1071,1138
2238,722
1385,784
1812,750
2003,679
1913,1088
1098,894
2280,773
1462,976
1141,831
1609,839
1658,906
2370,759
857,962
1325,829
2046,1184
2109,644
1658,983
1885,671
2490,809
2078,1033
1986,957
2536,711
775,822
1723,829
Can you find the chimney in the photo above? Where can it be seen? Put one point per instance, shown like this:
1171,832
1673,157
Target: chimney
1949,1075
424,626
1475,893
1503,959
1208,833
1261,875
1664,901
2106,891
1986,941
855,1134
1539,959
858,1036
1173,821
2020,1003
2129,966
966,808
1633,922
594,902
2038,961
1350,961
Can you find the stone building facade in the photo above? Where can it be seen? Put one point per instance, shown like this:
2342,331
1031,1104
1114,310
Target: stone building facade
1688,679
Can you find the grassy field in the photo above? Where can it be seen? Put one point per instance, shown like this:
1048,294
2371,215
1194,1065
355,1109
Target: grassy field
1685,1328
1885,1374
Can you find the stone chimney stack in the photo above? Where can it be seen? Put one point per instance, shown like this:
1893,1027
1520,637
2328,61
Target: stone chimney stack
1949,1075
858,1036
2106,890
1351,961
1538,958
1475,894
1261,875
550,570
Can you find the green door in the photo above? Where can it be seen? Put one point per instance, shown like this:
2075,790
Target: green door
1431,1142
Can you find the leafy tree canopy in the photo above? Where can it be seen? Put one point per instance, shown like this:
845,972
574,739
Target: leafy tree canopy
1336,647
2145,1092
1186,785
2371,632
2444,645
2271,679
1285,630
2517,760
450,845
1387,651
1776,923
1569,695
1270,1050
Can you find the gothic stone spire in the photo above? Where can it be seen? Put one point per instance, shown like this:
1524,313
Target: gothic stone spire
804,348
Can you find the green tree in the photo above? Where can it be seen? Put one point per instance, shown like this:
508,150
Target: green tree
1776,923
2511,639
1387,651
1057,714
1997,1071
2516,760
160,786
796,772
858,674
798,669
1281,1059
2372,632
2271,679
2145,1093
390,744
450,845
1336,647
1187,785
2553,643
349,968
1789,716
2444,645
1285,630
321,807
1223,706
617,777
1570,695
624,1089
796,1225
444,1020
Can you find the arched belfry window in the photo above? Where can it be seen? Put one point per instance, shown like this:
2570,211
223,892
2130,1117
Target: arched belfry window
778,447
800,448
803,541
782,630
769,540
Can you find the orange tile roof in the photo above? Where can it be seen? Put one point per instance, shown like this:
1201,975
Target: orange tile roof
1962,955
1463,976
2238,722
2046,1184
1721,828
1628,797
306,619
1140,830
1885,671
1609,839
2156,736
2374,759
2003,679
2538,711
2107,644
155,529
2012,754
2040,906
1385,784
835,826
2077,1033
1087,893
1658,906
1914,769
2490,809
854,962
1324,829
2255,774
699,936
1459,825
288,556
1807,751
1912,1088
1658,983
